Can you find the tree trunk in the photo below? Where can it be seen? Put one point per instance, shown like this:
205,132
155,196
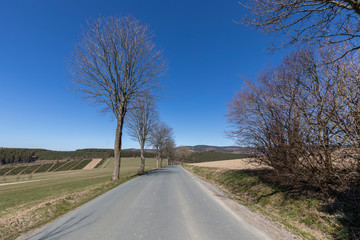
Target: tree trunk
161,162
157,159
117,150
142,164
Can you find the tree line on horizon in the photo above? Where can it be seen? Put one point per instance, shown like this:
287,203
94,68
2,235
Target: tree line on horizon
26,155
170,152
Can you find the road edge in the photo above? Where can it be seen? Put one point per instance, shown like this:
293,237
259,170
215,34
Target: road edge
255,222
39,227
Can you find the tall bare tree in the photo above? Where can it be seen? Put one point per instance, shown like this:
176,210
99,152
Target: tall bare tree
290,117
310,21
115,63
141,120
182,153
160,135
170,150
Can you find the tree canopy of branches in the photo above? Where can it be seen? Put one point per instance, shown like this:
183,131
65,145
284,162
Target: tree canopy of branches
141,120
310,21
183,153
115,63
302,117
170,151
160,138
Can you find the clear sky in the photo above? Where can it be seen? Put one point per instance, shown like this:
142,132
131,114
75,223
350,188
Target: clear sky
206,51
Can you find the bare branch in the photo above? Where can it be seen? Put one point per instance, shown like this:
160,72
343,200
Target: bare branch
113,65
319,22
141,120
160,137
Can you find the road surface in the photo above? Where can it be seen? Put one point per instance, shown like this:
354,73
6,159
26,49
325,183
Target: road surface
168,203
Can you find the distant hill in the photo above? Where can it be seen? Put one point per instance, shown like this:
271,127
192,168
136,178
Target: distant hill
207,148
196,157
226,149
26,155
138,150
23,155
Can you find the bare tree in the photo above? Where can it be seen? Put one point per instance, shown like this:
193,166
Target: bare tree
265,117
310,21
170,150
348,114
291,117
141,120
182,153
160,135
115,62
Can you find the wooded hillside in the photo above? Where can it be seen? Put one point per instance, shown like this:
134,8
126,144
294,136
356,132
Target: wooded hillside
24,155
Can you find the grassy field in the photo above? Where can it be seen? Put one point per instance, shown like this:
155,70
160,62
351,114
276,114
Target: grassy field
302,215
29,168
27,201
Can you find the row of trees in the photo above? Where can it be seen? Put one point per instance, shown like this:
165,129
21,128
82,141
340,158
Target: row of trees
303,117
117,65
144,126
17,155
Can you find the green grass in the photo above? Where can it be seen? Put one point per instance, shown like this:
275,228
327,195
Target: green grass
30,169
44,167
47,167
3,171
56,166
100,163
65,166
82,164
17,170
48,195
302,215
69,166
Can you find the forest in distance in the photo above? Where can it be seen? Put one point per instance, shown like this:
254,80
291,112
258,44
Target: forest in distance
26,155
199,153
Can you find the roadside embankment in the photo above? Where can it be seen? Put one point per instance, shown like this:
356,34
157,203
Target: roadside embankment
302,215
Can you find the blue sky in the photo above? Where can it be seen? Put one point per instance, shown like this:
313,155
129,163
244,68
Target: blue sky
207,54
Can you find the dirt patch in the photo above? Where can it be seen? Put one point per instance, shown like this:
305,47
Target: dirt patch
235,164
93,163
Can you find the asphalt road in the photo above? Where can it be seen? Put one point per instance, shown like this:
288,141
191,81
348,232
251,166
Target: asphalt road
168,203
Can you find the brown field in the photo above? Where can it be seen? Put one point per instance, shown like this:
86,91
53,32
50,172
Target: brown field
93,163
235,164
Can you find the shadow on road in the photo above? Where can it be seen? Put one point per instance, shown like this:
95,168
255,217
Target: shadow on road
63,230
162,171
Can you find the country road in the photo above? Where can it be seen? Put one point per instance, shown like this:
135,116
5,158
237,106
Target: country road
168,203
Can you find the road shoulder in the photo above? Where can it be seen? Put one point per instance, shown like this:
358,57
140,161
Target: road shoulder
255,222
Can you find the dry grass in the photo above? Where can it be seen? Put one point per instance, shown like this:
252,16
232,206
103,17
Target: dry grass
46,196
236,164
301,215
93,163
24,218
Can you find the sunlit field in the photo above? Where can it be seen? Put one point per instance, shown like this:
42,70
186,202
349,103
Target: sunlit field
55,193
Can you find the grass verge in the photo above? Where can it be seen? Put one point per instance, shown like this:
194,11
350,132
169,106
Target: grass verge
30,204
302,215
44,212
